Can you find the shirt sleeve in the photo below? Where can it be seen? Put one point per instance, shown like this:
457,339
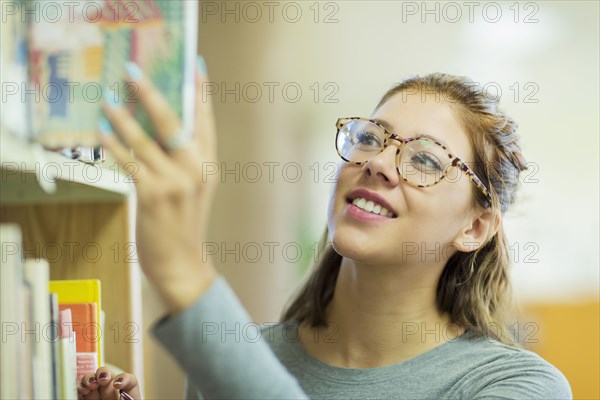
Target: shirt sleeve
190,392
216,344
525,377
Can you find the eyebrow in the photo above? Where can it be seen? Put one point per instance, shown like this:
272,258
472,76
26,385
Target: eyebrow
390,128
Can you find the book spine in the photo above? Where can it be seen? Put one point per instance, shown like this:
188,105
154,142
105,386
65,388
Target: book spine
54,341
37,274
67,356
12,311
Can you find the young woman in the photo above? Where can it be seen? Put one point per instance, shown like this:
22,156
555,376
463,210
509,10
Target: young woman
411,295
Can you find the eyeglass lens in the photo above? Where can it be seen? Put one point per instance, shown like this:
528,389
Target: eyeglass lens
421,162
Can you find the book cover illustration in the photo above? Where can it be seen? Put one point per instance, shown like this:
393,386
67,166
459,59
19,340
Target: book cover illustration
13,71
79,59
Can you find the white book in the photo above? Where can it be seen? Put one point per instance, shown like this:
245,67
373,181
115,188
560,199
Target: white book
69,368
12,313
37,274
55,343
67,358
27,339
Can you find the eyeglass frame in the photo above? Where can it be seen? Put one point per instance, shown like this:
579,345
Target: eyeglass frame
456,161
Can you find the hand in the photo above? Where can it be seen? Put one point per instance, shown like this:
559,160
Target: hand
104,385
173,199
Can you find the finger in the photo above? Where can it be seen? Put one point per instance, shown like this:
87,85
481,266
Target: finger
134,136
135,169
93,395
166,122
109,392
104,376
82,390
204,116
89,382
125,382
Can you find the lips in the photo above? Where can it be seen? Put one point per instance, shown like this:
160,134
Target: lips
374,197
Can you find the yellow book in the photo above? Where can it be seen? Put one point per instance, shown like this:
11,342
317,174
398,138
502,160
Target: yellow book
81,291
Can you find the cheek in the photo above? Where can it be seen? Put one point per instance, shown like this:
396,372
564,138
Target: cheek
336,194
348,238
456,188
331,211
345,176
439,216
434,206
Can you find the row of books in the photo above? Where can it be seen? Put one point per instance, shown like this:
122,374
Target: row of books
51,330
60,59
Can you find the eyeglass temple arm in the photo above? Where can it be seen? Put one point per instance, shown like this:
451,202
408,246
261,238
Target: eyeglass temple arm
462,165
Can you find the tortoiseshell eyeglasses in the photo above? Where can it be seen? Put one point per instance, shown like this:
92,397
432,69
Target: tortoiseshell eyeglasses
420,161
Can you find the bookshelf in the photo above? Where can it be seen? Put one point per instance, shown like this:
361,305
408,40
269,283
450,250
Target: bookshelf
33,175
81,223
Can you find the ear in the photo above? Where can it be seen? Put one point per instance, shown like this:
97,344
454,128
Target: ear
472,236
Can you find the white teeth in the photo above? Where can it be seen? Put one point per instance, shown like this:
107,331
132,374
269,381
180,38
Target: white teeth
371,206
359,202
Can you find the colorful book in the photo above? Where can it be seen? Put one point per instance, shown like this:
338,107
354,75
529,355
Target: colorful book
76,59
13,64
77,292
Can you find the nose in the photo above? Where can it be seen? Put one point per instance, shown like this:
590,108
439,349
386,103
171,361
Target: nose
383,166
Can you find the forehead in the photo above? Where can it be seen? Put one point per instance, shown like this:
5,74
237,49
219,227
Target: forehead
414,114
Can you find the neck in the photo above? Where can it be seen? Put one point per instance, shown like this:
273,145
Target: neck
382,315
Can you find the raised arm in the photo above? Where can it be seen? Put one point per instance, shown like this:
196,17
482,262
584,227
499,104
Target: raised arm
173,204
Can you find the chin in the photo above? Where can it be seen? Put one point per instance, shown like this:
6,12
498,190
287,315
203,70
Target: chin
352,243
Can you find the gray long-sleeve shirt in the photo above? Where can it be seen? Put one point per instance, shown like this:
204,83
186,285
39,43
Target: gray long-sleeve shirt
225,355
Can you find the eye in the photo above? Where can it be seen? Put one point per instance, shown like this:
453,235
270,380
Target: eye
366,138
426,162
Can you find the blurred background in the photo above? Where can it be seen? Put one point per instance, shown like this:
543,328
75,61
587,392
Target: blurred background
281,73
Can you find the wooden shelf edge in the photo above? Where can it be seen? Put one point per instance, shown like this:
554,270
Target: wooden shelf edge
31,174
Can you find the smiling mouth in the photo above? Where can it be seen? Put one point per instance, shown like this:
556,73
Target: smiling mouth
371,206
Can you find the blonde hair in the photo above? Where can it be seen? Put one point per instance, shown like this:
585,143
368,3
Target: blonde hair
474,287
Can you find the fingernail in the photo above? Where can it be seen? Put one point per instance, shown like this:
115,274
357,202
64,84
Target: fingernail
104,375
111,97
105,129
92,380
133,70
119,381
201,65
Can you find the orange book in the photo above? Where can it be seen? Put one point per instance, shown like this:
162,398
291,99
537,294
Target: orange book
74,291
85,326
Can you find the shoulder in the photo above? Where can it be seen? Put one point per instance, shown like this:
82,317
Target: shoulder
278,333
498,370
284,340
